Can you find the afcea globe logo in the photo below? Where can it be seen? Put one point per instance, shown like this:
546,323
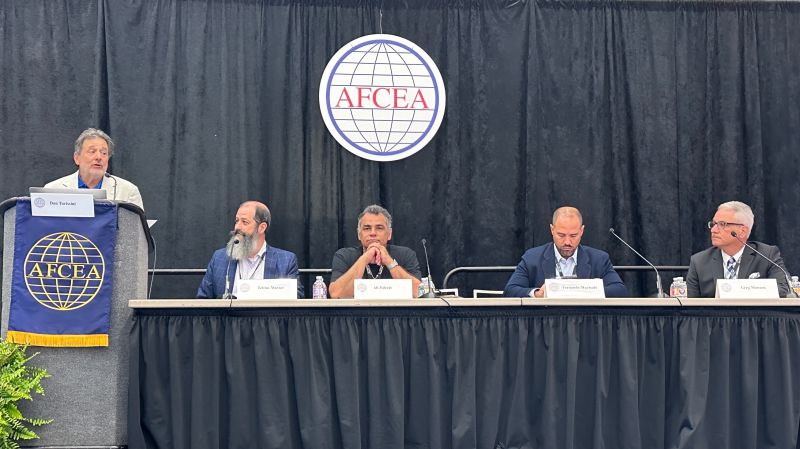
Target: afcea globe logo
382,97
64,271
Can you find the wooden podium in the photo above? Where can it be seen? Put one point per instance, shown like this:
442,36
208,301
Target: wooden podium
86,395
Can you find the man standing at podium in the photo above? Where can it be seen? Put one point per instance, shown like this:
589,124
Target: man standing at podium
728,257
248,256
374,258
93,149
565,257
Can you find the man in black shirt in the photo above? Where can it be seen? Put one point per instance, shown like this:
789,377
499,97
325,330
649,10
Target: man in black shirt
374,258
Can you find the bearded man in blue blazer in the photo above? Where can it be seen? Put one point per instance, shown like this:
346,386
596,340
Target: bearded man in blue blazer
565,257
247,255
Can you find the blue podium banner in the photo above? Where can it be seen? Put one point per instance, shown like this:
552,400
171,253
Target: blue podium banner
61,287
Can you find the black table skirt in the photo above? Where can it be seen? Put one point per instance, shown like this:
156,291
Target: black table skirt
494,378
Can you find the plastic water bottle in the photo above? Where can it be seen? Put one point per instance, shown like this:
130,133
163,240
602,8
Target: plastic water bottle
320,290
796,285
678,288
421,287
425,286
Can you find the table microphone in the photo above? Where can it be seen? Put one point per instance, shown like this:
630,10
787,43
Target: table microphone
430,293
658,276
228,294
791,293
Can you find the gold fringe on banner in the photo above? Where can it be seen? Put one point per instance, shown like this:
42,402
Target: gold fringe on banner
61,341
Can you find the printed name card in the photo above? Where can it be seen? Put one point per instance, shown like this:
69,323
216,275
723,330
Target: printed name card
382,289
574,288
62,205
266,288
746,288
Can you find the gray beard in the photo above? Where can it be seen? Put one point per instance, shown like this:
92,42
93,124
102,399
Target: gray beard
243,249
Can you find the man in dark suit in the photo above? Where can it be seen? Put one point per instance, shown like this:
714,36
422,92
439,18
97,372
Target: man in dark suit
729,258
247,255
564,257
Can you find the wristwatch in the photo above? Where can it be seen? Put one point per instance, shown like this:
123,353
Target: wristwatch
392,265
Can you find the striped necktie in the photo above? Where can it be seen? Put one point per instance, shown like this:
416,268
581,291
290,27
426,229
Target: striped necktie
730,269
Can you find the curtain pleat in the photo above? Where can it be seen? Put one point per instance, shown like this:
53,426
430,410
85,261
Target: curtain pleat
466,379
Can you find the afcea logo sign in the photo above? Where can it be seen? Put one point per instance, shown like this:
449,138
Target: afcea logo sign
382,97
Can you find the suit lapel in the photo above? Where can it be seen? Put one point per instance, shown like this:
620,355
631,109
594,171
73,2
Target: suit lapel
269,261
71,182
716,265
746,263
583,268
549,262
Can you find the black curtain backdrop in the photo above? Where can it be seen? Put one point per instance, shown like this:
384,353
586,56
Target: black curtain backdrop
465,379
644,115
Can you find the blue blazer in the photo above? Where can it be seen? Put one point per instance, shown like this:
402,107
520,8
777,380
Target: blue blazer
278,264
539,263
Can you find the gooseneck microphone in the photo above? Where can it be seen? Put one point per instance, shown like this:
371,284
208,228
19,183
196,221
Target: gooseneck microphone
107,175
658,276
228,294
430,293
791,293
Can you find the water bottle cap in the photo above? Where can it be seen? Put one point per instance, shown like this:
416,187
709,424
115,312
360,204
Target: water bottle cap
677,279
794,278
319,278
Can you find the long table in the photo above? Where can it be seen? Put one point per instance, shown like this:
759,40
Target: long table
466,373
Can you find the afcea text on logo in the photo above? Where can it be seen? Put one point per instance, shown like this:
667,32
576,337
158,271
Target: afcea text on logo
382,97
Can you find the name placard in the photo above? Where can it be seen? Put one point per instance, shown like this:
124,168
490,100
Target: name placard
382,289
574,288
746,288
266,288
62,205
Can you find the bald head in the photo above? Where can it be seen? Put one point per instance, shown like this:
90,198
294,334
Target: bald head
567,230
567,212
260,211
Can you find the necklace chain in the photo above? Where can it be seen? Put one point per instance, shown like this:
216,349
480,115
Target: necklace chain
369,272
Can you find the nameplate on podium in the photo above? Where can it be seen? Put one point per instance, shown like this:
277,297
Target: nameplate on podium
746,288
574,288
382,289
266,289
62,205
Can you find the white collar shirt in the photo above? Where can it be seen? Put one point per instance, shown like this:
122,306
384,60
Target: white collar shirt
250,268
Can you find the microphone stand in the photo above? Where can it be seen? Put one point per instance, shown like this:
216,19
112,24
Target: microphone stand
430,293
228,294
658,276
107,175
791,293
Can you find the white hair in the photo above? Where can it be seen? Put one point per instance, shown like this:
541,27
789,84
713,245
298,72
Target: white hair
742,212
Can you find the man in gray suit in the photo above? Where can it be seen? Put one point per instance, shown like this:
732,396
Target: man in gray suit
93,148
729,258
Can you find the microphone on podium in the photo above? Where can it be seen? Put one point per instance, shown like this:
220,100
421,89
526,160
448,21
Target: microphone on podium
791,293
658,276
109,176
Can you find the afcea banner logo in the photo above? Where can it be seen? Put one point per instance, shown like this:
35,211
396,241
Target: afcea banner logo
64,271
382,97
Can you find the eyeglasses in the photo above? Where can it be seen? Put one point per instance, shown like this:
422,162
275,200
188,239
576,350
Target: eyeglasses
722,224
